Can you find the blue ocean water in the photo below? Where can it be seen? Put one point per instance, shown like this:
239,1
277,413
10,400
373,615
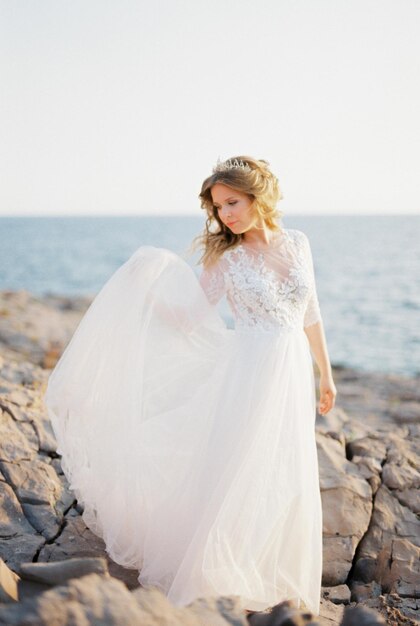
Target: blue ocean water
367,270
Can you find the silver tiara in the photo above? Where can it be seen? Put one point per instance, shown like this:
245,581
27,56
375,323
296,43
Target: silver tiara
230,164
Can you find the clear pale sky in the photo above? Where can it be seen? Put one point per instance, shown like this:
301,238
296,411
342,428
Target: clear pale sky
123,106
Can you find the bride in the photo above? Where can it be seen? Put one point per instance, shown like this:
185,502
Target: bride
190,445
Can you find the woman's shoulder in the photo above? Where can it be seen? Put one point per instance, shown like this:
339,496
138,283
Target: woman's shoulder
215,263
297,235
295,232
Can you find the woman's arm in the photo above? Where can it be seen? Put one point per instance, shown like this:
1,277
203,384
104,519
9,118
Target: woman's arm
317,341
314,330
318,344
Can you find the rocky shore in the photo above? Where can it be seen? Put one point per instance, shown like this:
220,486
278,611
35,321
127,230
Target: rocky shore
53,570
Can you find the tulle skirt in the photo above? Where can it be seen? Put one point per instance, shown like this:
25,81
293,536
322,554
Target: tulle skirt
191,446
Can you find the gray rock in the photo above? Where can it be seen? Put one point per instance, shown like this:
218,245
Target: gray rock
18,539
66,497
370,468
91,599
371,446
56,463
330,614
361,616
400,476
389,552
410,498
340,594
43,429
43,519
59,572
362,591
14,445
38,489
202,612
347,506
76,540
8,584
407,412
395,610
33,481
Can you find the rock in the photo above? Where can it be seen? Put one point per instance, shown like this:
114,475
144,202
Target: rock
371,446
202,612
400,476
370,468
338,425
401,470
404,568
395,610
37,328
77,541
42,518
389,552
91,599
285,613
347,505
95,599
19,374
362,591
340,594
8,584
410,498
14,445
407,412
361,616
43,429
19,541
330,614
59,572
33,481
38,489
56,463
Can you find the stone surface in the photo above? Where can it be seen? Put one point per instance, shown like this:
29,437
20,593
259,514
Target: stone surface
340,594
57,573
8,584
389,552
347,506
90,599
362,616
77,541
19,541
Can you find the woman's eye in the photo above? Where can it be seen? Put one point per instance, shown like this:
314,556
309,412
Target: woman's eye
230,203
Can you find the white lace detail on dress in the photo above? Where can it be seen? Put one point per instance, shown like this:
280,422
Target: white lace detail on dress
270,289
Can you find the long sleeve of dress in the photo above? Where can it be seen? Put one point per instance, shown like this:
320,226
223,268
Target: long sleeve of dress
312,313
212,280
177,300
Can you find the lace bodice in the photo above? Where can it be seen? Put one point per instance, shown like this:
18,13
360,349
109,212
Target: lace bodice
267,289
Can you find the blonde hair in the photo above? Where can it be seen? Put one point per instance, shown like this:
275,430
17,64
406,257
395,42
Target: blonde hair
262,187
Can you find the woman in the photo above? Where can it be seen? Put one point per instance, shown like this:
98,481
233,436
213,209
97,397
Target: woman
191,446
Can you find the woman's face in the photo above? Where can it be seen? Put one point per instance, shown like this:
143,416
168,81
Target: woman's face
233,207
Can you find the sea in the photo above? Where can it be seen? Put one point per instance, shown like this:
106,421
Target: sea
367,272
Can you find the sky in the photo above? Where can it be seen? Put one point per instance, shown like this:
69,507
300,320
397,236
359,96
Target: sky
122,107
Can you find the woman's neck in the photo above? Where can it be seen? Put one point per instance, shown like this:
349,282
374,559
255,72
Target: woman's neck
259,238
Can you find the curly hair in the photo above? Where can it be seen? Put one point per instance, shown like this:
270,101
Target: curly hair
262,187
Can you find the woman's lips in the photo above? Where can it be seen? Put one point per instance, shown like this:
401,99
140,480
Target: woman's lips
231,223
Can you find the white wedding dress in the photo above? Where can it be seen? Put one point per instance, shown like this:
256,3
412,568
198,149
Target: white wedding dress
190,445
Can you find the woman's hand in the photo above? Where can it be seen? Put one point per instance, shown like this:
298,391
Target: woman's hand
327,393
